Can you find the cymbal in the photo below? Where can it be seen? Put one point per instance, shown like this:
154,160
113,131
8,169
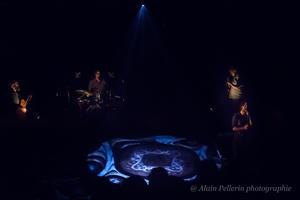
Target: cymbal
84,92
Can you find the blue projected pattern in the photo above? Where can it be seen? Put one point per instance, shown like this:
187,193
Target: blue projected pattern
120,158
138,164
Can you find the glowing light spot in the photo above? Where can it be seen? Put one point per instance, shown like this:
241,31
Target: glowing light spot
147,181
92,168
115,180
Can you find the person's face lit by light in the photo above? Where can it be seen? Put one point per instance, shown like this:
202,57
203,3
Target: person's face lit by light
244,106
232,72
15,86
97,75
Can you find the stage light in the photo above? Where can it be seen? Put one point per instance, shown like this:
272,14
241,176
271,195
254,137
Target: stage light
143,5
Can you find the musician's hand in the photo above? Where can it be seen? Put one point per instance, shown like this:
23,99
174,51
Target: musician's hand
246,127
235,87
246,112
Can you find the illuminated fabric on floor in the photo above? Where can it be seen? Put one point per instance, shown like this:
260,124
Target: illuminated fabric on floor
120,158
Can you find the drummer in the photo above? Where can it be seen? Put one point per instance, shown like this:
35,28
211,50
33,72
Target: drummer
97,85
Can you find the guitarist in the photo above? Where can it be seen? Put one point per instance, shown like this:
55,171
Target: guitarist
18,104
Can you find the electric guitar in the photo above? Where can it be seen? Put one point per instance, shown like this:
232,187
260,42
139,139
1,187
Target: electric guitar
22,110
24,103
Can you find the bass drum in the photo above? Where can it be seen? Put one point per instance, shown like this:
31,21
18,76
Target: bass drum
83,103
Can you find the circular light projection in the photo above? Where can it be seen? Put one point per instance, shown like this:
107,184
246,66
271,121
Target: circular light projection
120,158
141,159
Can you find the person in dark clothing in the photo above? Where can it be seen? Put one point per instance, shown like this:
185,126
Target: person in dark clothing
241,122
96,88
96,85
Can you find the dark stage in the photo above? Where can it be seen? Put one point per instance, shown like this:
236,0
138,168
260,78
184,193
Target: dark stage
147,96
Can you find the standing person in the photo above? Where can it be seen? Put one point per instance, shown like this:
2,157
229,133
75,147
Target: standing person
241,122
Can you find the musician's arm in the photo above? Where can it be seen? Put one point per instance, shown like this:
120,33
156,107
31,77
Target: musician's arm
250,120
230,85
15,99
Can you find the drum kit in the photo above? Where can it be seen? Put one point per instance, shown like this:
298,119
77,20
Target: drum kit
87,101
